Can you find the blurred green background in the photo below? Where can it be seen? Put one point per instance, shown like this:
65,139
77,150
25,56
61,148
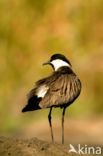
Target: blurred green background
30,32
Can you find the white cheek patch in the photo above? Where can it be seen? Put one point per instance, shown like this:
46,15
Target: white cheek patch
42,91
59,63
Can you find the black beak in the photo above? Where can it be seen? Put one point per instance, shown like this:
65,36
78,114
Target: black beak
46,63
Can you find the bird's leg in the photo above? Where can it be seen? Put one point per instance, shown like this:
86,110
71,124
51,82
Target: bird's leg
63,114
50,123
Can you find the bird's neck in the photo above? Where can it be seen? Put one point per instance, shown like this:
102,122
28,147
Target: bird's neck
59,63
65,70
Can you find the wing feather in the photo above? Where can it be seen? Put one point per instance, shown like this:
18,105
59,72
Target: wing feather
62,91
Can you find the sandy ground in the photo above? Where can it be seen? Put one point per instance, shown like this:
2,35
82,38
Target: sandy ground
32,147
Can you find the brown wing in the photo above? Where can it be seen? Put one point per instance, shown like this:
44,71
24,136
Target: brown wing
62,91
58,92
42,82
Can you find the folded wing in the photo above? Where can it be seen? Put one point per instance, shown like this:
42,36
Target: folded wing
63,90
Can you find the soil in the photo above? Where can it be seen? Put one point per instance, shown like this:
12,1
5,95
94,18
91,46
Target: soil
30,147
10,146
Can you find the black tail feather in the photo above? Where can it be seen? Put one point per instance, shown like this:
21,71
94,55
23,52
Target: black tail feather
33,104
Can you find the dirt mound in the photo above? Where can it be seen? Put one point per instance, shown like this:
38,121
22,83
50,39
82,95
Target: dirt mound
32,147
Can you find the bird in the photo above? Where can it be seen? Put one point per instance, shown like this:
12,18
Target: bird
59,89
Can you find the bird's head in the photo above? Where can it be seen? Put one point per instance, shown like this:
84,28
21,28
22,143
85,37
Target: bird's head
57,61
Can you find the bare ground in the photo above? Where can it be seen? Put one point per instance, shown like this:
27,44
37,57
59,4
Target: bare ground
32,147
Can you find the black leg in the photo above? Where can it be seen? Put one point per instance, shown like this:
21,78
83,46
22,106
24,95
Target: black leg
63,114
50,123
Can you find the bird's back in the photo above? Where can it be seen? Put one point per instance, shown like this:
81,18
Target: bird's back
64,88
